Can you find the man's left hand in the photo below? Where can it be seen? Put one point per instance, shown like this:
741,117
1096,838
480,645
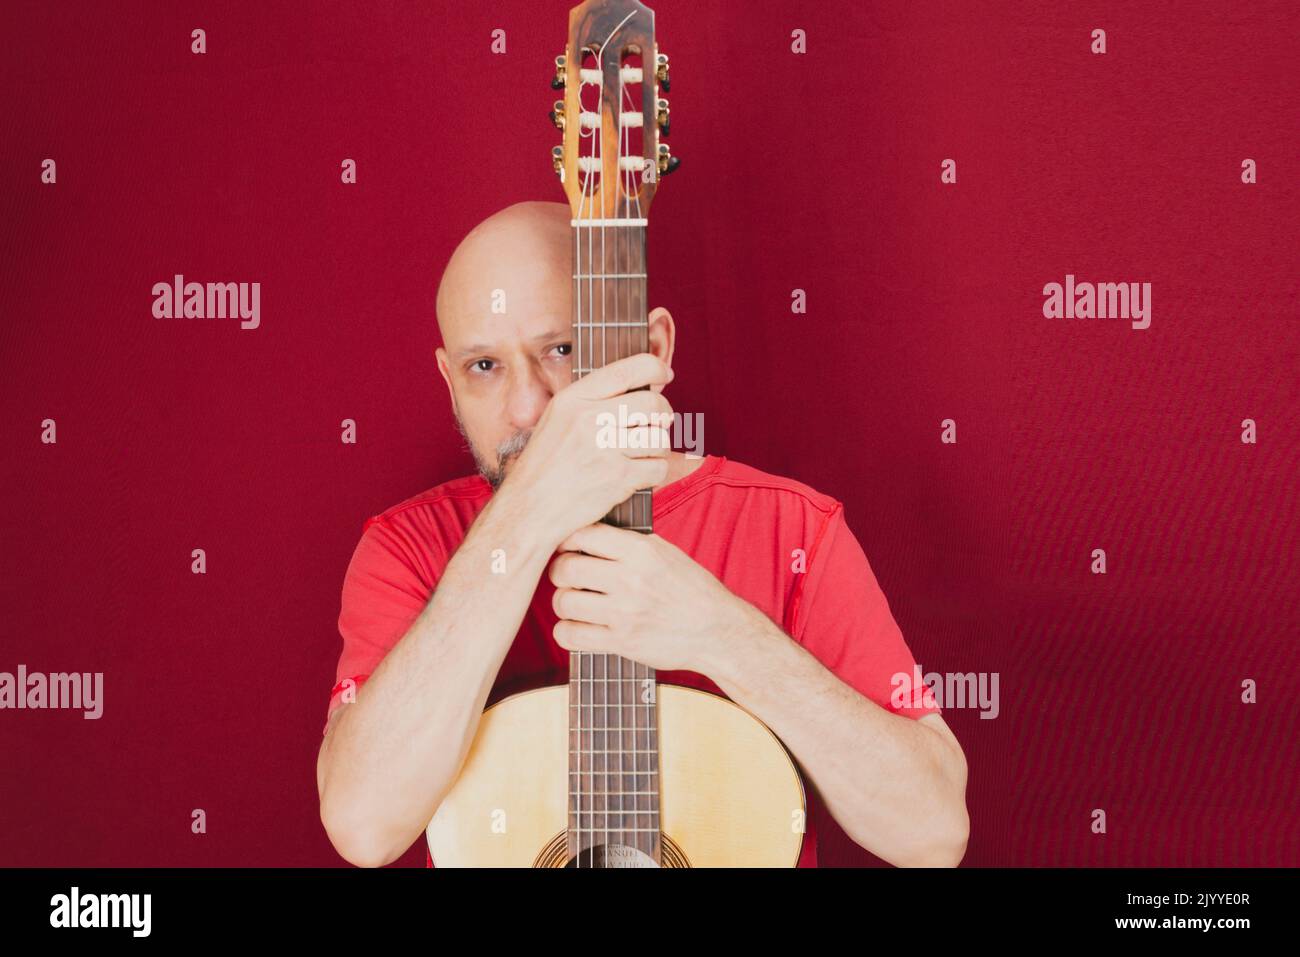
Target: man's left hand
634,594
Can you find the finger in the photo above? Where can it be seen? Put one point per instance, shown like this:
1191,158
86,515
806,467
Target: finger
602,540
570,604
647,441
576,570
648,471
624,375
640,407
581,636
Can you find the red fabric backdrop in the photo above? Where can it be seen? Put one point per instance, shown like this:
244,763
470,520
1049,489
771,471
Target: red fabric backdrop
819,172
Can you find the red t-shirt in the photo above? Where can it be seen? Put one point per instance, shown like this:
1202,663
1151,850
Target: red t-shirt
741,524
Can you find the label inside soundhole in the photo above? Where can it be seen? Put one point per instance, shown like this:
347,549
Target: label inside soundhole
612,855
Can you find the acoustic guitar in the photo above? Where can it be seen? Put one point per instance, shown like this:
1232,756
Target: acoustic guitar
614,770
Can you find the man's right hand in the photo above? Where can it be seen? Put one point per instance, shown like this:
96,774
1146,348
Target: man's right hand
584,457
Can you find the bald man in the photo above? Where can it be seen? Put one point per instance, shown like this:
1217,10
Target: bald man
711,599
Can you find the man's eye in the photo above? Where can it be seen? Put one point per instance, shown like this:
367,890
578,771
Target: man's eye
566,346
478,364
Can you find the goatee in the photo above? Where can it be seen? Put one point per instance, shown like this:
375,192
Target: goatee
494,473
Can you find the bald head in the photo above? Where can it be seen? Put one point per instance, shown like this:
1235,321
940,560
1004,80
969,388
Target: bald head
520,250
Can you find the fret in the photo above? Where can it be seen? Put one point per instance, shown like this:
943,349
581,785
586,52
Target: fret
589,771
640,679
616,830
601,683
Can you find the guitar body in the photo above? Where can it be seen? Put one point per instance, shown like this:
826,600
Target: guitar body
730,796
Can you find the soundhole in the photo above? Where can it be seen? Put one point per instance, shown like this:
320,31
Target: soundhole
612,855
556,854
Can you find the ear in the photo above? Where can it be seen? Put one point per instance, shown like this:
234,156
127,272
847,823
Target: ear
445,368
662,337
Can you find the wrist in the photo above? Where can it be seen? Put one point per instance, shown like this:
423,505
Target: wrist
744,637
515,521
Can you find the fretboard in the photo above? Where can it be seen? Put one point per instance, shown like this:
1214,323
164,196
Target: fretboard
613,719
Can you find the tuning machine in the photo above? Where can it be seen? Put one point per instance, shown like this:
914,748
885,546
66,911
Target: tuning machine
661,115
661,72
667,163
557,114
557,81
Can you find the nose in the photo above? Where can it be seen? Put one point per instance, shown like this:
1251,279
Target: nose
530,391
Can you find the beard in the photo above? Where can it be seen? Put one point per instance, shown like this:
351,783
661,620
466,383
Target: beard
494,472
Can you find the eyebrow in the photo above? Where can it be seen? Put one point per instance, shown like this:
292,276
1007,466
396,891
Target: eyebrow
480,347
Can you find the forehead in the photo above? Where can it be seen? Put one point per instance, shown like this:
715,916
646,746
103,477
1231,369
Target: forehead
507,281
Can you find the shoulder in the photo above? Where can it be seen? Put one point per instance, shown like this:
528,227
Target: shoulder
457,496
757,513
778,490
422,531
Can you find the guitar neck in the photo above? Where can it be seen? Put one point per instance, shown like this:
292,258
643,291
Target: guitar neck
613,719
610,321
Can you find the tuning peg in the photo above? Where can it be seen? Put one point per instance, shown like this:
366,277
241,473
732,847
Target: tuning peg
667,163
557,114
557,161
661,107
557,81
661,72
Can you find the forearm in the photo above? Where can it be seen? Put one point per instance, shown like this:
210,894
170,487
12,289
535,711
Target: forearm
393,754
890,782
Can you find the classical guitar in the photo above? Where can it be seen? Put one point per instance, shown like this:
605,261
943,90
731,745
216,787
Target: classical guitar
615,770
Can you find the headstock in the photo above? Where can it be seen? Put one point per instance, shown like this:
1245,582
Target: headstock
613,113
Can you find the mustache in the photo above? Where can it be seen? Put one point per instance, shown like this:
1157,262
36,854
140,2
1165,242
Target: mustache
493,472
514,445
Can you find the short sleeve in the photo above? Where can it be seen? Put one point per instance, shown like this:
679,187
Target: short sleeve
843,619
383,594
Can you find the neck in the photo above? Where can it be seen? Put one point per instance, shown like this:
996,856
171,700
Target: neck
680,465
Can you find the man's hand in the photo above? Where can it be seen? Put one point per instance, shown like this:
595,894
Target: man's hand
583,457
642,597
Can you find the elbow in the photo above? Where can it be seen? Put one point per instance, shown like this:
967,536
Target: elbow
946,846
940,839
939,842
945,842
357,842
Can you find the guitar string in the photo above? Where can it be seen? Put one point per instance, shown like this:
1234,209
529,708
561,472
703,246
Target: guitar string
581,657
621,267
599,143
634,311
589,658
587,182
